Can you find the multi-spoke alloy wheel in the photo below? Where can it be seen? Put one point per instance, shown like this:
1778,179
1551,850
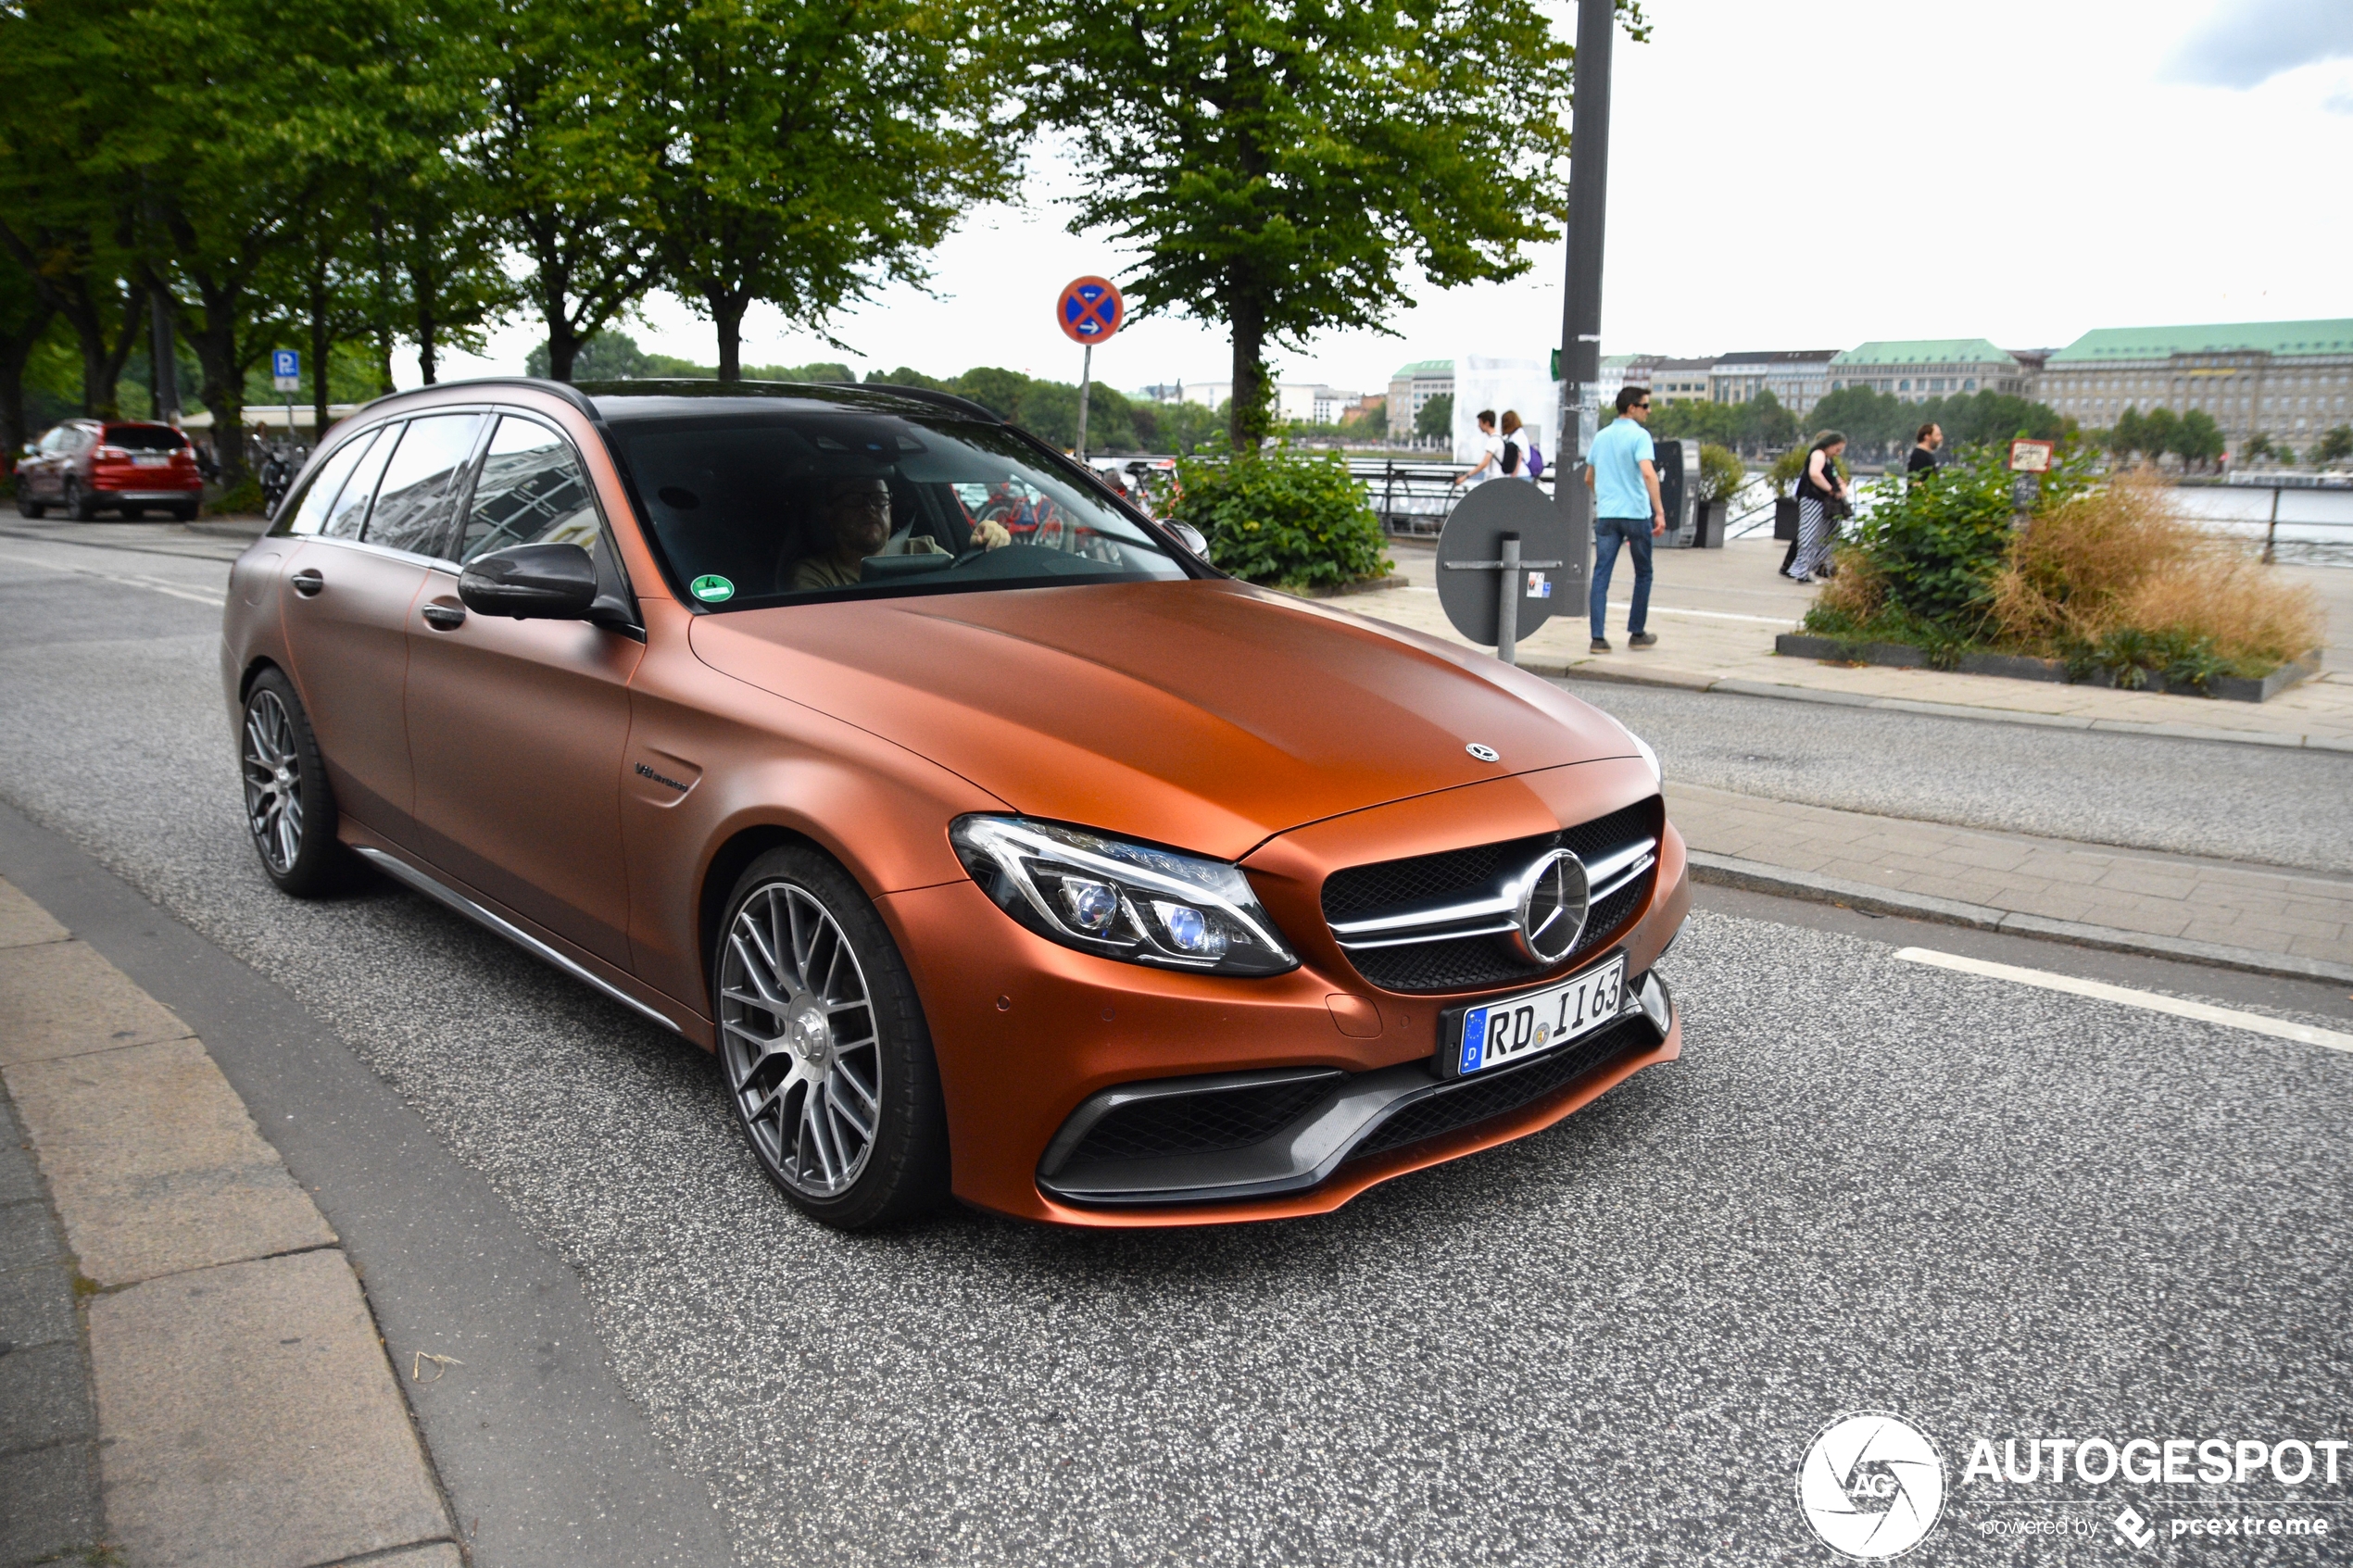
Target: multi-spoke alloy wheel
823,1045
289,809
274,781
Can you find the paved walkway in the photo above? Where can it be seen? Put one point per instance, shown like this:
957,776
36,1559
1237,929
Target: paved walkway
2247,917
1718,611
220,1396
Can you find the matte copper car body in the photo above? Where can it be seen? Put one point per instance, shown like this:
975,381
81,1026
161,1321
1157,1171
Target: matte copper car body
595,788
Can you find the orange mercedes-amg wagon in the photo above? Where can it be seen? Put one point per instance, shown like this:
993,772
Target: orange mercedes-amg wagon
996,842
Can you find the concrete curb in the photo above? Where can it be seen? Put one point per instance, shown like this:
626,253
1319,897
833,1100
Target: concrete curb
1683,680
1728,870
247,1411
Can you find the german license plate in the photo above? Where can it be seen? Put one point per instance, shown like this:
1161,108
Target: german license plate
150,460
1495,1034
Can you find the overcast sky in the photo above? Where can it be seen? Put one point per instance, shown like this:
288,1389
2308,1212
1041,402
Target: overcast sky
1794,176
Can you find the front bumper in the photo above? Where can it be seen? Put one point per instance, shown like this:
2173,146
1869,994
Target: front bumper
1026,1032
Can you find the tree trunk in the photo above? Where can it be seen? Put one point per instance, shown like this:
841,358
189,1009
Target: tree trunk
1248,422
15,349
318,353
103,357
727,314
564,348
420,287
224,386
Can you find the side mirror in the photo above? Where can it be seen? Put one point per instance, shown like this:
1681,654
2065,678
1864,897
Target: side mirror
531,582
1189,537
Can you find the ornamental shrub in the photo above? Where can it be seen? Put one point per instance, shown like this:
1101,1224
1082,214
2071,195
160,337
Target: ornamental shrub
1282,518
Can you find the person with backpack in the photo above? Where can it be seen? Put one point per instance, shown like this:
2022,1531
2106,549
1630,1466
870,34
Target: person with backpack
1491,452
1512,467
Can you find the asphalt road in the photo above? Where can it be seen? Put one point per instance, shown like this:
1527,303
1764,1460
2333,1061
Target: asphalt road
1868,1183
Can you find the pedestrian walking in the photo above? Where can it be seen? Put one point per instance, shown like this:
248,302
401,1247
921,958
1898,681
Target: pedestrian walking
1628,513
1819,490
1491,452
1515,465
1923,457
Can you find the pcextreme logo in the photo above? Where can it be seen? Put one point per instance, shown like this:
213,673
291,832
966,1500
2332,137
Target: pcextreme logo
1872,1485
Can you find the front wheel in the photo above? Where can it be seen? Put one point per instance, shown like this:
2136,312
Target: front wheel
26,505
78,503
290,811
827,1059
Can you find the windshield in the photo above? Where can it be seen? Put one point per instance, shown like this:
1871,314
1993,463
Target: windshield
784,502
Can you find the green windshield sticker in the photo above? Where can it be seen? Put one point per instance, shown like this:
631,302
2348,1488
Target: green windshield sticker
711,590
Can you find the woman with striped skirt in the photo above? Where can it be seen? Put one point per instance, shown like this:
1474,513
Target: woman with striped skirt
1816,488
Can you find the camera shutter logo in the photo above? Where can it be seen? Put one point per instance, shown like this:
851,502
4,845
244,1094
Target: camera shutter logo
1871,1485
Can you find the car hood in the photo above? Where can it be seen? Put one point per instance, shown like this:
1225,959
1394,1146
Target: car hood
1207,715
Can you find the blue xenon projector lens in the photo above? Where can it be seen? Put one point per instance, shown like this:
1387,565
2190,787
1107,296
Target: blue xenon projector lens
1189,931
1092,905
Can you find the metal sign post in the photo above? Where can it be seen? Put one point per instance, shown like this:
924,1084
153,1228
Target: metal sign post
1089,311
1512,532
285,375
1581,359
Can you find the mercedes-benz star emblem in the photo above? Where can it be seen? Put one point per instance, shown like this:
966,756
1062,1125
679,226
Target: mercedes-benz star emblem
1484,753
1551,916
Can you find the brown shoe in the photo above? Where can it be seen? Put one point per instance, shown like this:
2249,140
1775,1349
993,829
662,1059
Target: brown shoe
1600,645
1643,640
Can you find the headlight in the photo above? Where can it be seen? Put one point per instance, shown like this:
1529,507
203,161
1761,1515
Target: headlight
1122,900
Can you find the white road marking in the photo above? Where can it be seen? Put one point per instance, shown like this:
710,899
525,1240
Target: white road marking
1628,608
129,578
2252,1023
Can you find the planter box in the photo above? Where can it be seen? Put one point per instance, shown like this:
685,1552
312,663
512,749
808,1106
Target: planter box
2019,666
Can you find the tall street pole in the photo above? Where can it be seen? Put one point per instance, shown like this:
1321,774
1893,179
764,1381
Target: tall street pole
1581,308
163,358
1086,379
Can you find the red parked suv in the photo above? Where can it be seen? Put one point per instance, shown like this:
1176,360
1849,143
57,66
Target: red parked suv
84,466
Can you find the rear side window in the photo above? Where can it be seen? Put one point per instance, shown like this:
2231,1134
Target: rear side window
310,508
412,504
531,492
145,438
349,515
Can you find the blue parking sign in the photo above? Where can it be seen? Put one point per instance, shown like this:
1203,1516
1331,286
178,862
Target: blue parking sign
285,362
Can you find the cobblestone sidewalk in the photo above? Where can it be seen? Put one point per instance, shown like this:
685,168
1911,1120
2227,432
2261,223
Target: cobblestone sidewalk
1718,611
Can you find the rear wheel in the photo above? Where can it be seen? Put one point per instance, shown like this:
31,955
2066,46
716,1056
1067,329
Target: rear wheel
821,1036
26,505
290,811
186,511
78,503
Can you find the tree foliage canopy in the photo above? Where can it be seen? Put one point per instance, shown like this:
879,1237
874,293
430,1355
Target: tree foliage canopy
1287,167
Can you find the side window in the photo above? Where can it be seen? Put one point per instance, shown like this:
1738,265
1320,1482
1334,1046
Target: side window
308,513
413,501
348,514
531,492
55,442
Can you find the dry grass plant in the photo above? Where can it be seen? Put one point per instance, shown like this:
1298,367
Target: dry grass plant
2121,557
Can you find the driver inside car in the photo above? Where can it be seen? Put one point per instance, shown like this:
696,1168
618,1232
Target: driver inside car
853,522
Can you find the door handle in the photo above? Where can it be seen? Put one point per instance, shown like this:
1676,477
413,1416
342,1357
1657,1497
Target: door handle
445,618
308,582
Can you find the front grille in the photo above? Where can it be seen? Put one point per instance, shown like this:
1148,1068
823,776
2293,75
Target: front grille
1477,1099
1201,1124
1461,964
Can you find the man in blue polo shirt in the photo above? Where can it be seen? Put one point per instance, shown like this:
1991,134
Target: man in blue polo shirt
1628,511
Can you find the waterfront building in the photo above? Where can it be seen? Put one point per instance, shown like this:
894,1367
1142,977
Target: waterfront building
1796,377
1681,381
1413,385
2288,379
1917,370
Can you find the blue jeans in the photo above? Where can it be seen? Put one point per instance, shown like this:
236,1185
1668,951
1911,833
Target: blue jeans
1634,532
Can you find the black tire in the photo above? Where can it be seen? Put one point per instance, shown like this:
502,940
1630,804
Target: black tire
186,511
290,808
795,1086
78,504
26,505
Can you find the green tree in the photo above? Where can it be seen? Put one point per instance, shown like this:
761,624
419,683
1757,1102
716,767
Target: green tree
2198,440
2158,431
2334,447
608,355
566,159
811,152
1435,422
2125,437
1285,169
